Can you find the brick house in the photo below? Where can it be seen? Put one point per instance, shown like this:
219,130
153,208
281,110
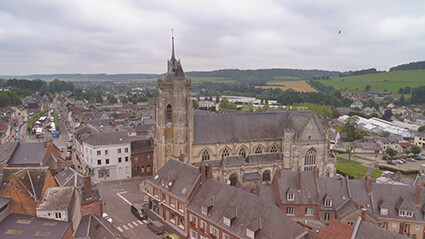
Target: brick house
26,187
142,157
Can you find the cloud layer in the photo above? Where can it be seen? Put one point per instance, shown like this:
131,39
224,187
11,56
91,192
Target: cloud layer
117,36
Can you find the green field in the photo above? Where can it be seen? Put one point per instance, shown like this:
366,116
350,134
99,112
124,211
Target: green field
354,169
390,81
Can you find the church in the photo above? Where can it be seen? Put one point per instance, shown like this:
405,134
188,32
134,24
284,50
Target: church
196,136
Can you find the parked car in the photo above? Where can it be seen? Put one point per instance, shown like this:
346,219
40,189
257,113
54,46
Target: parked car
420,158
68,155
107,217
391,162
138,211
402,160
171,236
156,226
410,159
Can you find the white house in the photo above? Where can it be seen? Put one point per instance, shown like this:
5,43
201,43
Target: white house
107,155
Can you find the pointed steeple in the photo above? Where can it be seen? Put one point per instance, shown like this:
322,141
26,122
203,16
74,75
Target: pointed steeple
172,45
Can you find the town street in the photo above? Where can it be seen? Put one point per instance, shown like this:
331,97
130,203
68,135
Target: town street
117,197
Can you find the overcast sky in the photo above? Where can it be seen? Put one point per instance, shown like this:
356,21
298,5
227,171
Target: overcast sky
122,36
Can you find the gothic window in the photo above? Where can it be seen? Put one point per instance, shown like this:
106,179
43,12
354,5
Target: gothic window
259,150
225,153
266,176
242,152
310,160
205,155
169,114
273,149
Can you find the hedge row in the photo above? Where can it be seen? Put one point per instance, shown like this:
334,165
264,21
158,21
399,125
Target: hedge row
405,172
33,118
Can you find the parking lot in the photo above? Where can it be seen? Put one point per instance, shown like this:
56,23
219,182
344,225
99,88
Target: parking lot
406,166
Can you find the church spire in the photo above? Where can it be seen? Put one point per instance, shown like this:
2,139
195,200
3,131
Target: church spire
172,45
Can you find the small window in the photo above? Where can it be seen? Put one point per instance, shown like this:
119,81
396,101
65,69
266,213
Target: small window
106,152
58,215
149,157
148,168
98,153
214,231
169,114
225,236
350,223
273,149
120,159
259,150
205,155
126,150
204,210
402,213
193,219
328,203
327,217
119,151
99,162
290,197
290,211
172,202
172,218
203,225
226,221
225,153
181,207
406,228
136,160
384,211
193,234
107,161
242,152
126,158
309,211
409,213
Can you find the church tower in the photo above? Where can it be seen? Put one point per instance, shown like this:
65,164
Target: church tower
173,129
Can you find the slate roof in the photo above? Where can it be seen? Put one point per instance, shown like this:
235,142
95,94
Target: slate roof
107,138
99,122
32,227
7,149
335,187
70,177
28,153
31,178
243,127
57,198
181,174
253,212
367,231
308,192
94,227
4,201
141,146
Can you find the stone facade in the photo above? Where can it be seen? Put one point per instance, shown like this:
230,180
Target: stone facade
182,134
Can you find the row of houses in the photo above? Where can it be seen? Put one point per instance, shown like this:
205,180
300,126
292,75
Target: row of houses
294,205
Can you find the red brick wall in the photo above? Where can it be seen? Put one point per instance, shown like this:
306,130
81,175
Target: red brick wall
144,162
299,211
206,233
93,207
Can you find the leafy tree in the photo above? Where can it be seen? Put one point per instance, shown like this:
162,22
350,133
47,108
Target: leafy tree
99,98
247,108
111,98
350,149
217,99
387,115
195,104
418,95
367,88
114,114
400,91
401,101
415,149
407,90
422,128
407,151
384,134
391,152
350,129
225,104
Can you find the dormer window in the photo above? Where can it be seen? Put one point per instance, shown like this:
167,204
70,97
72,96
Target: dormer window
204,210
384,211
402,213
226,221
328,203
409,214
290,196
250,234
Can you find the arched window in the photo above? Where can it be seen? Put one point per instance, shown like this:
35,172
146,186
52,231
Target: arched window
205,155
169,114
266,176
310,160
242,152
273,149
233,179
259,150
225,153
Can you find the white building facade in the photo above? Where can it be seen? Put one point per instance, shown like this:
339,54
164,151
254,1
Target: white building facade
107,156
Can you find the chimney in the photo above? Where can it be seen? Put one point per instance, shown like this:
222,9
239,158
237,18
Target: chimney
59,166
257,189
299,178
363,214
369,184
418,194
87,187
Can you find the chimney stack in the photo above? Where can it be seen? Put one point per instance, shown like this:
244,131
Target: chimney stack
363,214
299,178
59,166
418,194
87,187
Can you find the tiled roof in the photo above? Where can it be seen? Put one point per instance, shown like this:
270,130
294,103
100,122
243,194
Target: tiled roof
336,230
107,138
56,198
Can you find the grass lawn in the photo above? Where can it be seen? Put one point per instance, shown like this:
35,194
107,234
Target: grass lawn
390,81
354,169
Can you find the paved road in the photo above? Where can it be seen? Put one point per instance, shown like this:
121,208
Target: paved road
118,196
